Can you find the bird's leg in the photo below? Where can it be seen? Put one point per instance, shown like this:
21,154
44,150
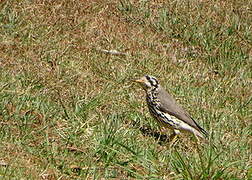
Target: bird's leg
163,130
174,137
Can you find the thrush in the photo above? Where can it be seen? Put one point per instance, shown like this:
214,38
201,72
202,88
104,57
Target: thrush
164,108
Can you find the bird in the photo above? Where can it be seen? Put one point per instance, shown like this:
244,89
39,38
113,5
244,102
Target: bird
169,114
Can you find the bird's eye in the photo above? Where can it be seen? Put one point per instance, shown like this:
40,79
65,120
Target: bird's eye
148,77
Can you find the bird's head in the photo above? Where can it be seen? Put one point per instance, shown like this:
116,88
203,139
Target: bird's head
148,82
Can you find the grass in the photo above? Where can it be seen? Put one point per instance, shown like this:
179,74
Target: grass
70,111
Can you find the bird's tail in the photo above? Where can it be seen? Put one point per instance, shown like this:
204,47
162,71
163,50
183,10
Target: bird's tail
199,134
205,137
202,133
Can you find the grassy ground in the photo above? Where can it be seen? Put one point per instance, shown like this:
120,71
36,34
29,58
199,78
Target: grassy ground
69,110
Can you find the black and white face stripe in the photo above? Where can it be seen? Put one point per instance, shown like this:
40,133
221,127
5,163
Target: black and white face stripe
153,81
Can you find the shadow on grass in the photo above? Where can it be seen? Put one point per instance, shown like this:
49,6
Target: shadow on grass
148,131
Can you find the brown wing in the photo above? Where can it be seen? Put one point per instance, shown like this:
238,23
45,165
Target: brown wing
169,105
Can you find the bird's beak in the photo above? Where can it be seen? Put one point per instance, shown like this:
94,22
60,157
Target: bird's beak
139,80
